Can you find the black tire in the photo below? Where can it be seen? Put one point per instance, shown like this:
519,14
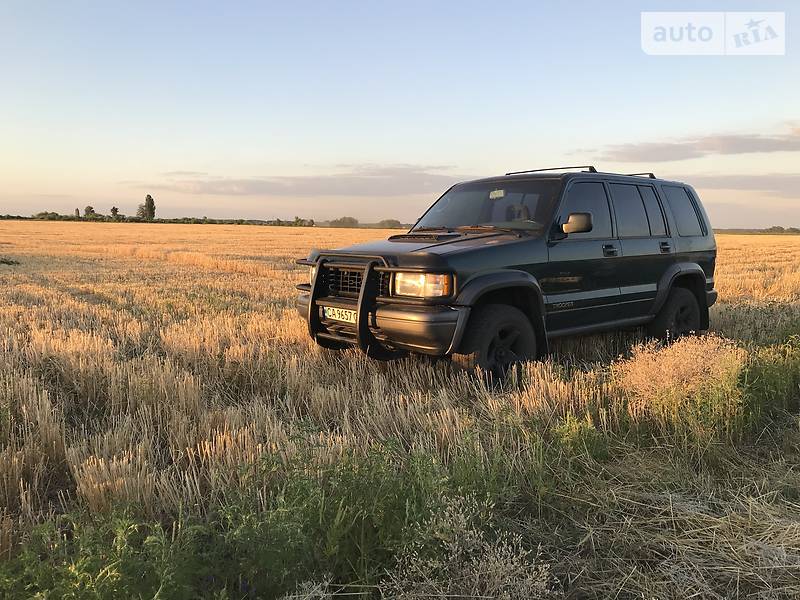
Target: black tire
679,316
497,337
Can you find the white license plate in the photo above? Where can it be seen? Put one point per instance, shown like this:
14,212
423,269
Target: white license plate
339,314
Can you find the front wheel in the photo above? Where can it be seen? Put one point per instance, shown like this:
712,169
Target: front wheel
498,336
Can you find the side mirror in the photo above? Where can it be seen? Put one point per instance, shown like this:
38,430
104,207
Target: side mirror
577,223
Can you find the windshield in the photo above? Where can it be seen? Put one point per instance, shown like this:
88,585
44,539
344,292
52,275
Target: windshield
520,205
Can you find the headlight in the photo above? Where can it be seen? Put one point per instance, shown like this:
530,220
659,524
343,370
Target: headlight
311,272
422,285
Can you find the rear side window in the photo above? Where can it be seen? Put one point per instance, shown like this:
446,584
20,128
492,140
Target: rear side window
654,215
588,197
683,210
629,210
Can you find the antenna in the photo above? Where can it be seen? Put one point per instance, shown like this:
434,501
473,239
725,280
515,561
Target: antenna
650,175
589,168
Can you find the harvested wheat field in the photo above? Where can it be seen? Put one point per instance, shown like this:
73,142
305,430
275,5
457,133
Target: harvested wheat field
167,429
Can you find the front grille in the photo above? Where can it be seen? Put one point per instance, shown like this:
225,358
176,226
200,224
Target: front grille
344,282
347,282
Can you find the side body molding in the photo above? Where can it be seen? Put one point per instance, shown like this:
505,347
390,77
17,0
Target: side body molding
509,279
684,269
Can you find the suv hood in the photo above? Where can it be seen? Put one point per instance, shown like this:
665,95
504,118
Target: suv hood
412,249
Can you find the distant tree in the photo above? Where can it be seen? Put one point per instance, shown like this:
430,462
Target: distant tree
345,222
149,208
89,212
141,211
390,224
114,212
48,216
77,214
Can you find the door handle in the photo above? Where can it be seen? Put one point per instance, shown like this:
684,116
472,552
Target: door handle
665,247
609,250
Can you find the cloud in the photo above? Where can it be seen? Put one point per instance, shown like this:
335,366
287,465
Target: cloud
354,180
173,174
784,185
50,196
708,145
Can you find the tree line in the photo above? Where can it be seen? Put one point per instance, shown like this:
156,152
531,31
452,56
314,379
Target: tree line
146,213
353,222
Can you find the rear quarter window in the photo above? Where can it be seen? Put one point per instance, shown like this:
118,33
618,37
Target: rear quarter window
684,211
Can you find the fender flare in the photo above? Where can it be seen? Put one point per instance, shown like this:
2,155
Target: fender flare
667,280
480,285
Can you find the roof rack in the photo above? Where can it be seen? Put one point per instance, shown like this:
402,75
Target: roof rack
650,175
589,168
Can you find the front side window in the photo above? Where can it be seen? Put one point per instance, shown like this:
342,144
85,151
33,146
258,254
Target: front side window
523,205
588,197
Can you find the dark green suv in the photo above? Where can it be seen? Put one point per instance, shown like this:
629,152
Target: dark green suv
499,266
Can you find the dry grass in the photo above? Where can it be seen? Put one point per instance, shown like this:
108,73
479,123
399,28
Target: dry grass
693,384
146,364
759,268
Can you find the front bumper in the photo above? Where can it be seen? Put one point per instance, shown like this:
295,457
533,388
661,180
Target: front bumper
384,326
711,297
425,329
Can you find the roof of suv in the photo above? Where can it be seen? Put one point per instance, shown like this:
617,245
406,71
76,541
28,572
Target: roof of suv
573,175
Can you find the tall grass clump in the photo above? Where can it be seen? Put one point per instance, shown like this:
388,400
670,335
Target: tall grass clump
773,380
688,392
455,554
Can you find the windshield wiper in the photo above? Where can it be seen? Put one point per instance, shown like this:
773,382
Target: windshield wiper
487,227
423,229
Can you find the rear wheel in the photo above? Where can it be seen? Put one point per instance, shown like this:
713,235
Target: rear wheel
679,316
498,336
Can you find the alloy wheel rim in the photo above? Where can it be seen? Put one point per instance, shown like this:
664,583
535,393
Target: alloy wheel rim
684,319
503,350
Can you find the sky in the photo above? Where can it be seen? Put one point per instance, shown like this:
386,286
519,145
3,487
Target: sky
372,109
